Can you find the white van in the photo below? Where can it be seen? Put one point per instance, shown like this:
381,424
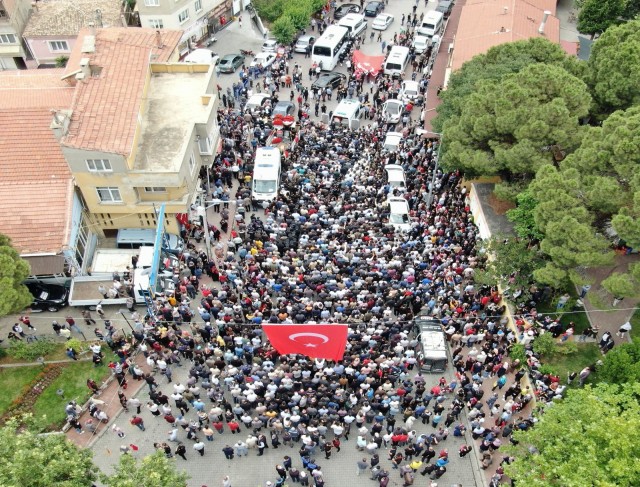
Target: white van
355,24
396,61
134,238
399,214
395,176
392,141
347,111
266,174
431,24
202,56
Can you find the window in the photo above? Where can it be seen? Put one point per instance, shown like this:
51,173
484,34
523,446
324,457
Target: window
198,5
99,165
151,3
205,145
109,195
192,162
183,16
7,39
155,189
56,46
3,13
156,24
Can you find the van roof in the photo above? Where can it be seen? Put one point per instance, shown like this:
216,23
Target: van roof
394,172
350,19
145,257
398,205
346,108
432,15
203,56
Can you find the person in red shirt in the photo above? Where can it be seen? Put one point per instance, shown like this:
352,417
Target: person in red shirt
234,427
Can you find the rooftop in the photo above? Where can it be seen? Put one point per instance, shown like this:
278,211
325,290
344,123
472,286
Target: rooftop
34,89
107,105
487,23
67,17
174,104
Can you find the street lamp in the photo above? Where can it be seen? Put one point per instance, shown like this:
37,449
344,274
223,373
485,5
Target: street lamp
435,168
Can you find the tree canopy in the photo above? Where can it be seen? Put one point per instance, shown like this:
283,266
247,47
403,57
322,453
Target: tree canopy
613,73
14,295
621,365
34,460
594,434
152,471
598,15
512,126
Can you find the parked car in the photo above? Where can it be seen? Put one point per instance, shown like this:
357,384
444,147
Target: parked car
303,43
46,296
265,59
382,21
347,8
409,91
392,110
420,44
230,62
444,7
283,108
373,8
330,79
270,45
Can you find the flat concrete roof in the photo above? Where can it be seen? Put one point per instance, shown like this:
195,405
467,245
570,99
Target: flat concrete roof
498,224
174,105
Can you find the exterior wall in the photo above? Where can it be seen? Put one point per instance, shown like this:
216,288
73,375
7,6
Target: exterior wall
41,51
17,15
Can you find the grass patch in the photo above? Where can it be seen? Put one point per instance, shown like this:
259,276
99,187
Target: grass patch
579,317
12,381
635,323
73,381
58,353
587,354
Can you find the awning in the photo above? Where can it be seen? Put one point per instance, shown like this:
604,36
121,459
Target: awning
367,64
45,265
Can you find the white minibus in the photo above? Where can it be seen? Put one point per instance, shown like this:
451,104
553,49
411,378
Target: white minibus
396,61
329,47
266,174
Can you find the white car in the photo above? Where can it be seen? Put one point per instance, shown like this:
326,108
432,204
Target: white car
258,100
392,111
270,45
409,91
420,44
382,21
399,214
395,176
303,43
264,58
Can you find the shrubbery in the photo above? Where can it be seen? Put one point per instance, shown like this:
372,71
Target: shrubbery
31,351
286,17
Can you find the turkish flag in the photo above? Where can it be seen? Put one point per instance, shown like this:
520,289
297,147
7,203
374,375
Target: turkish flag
316,341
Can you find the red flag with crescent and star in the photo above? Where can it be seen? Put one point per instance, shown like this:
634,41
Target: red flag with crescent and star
326,341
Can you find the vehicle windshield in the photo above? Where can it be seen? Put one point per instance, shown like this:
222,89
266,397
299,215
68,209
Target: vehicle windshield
394,66
264,186
399,218
322,50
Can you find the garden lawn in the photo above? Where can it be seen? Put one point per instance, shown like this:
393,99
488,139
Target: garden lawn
73,381
579,317
587,354
12,380
635,323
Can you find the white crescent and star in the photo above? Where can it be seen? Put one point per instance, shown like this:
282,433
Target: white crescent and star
294,336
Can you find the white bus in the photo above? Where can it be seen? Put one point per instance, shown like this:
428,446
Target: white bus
396,61
266,174
327,49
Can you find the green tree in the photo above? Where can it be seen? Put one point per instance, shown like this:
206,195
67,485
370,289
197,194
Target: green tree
598,15
523,216
152,471
621,365
613,73
284,30
299,14
14,295
270,10
510,127
34,460
545,345
511,262
508,58
620,285
593,434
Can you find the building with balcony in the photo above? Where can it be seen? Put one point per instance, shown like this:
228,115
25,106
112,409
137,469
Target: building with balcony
196,18
13,18
139,129
53,27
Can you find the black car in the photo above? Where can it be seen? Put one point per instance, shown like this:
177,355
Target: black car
330,79
46,296
445,6
347,8
373,9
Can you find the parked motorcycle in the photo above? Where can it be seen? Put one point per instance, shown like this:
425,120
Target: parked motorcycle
210,41
245,52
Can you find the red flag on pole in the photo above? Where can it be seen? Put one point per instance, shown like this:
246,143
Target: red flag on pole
316,341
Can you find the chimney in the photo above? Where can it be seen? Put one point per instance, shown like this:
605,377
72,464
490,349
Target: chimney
544,22
85,68
505,10
35,5
92,28
159,43
60,123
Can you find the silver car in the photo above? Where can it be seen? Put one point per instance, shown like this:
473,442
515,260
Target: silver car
303,43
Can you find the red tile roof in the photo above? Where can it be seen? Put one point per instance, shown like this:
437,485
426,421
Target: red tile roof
486,23
106,107
34,88
36,188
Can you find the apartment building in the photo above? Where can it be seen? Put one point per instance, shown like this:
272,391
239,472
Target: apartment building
13,18
139,129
